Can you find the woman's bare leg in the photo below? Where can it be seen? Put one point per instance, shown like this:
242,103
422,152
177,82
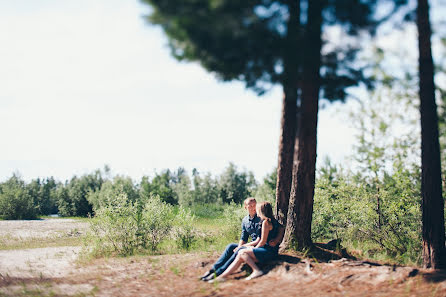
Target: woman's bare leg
250,259
238,261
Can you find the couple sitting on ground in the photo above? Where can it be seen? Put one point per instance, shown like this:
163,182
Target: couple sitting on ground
266,234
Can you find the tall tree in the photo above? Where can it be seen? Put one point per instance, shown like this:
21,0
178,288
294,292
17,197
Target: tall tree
300,210
260,43
353,17
432,199
292,65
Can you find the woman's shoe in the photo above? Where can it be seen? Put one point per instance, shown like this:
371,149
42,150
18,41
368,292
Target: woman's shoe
255,274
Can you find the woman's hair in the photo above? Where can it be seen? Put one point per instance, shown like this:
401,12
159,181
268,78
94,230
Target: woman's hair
266,209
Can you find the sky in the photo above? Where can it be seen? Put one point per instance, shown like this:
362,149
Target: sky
87,83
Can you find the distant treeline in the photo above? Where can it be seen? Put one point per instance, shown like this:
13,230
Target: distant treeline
82,195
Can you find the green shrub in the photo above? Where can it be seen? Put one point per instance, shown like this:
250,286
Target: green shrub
184,233
157,219
123,226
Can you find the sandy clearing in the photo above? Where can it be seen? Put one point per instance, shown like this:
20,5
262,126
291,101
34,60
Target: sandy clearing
25,229
53,271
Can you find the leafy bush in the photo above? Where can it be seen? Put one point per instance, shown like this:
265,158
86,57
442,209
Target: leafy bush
184,233
157,219
114,227
124,226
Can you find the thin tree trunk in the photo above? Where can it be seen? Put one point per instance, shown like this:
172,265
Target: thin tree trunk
432,199
300,211
289,114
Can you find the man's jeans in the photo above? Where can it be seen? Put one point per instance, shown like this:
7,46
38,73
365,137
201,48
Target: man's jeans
226,258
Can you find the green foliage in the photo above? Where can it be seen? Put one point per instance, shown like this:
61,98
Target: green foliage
178,188
161,185
111,189
183,191
232,219
251,41
208,211
15,201
64,202
236,186
347,210
184,233
267,190
72,201
376,205
205,189
158,219
123,226
44,196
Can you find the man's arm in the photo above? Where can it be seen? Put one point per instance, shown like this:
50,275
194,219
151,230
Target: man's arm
243,236
241,242
278,239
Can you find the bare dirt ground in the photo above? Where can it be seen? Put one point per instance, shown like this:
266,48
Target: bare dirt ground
56,272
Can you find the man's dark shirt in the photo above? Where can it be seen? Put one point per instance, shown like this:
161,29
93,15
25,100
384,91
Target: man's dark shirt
251,227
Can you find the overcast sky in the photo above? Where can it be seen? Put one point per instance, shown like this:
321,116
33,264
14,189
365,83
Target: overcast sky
86,83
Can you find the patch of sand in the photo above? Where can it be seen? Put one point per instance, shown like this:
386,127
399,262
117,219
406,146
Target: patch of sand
41,262
25,229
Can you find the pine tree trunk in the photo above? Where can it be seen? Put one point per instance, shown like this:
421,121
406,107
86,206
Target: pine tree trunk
300,211
432,199
286,151
289,114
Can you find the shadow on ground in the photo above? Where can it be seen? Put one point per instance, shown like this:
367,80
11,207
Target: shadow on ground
435,276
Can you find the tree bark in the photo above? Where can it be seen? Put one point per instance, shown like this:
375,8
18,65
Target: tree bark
289,113
432,199
300,211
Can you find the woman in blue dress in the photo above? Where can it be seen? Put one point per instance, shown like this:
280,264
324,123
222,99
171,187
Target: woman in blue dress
260,251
